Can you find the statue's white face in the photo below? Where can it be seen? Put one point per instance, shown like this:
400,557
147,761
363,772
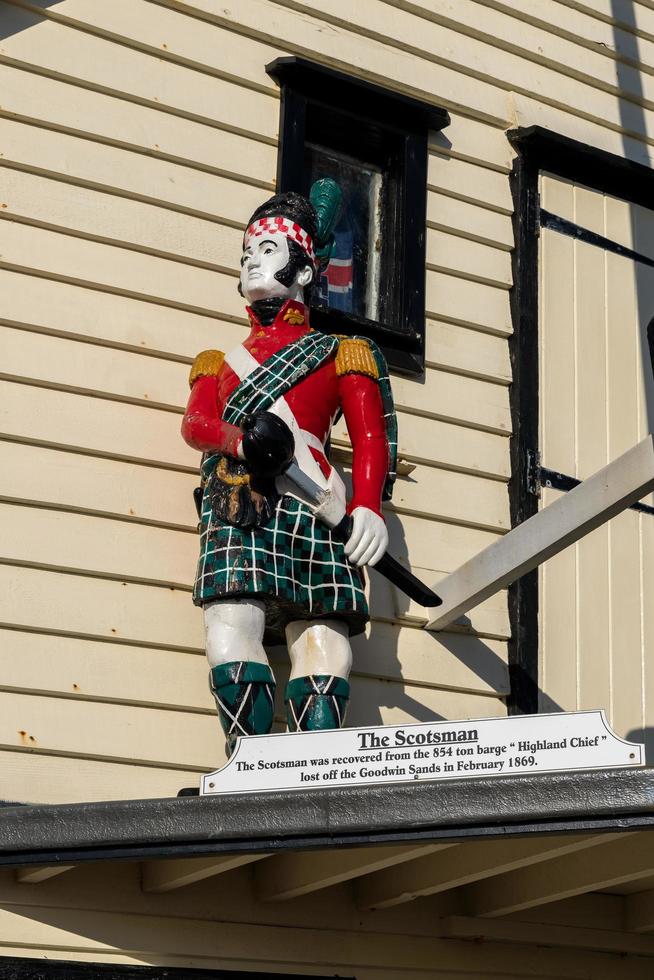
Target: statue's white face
261,260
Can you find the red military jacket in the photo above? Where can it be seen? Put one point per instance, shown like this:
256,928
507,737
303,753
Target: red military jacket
340,384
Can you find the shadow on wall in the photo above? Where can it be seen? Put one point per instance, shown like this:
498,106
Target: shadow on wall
645,736
393,693
13,20
469,649
634,121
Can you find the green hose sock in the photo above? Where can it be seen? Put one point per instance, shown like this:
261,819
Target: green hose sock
245,696
316,702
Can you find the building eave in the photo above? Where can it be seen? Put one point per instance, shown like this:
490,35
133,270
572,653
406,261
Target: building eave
570,802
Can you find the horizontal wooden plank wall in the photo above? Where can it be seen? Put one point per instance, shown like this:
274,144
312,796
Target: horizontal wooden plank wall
131,160
135,140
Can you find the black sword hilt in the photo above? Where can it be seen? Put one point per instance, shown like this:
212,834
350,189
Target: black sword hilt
393,571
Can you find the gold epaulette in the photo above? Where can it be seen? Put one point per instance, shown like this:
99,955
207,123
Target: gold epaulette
208,362
355,357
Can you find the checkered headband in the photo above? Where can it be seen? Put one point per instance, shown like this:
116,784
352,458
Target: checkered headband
280,226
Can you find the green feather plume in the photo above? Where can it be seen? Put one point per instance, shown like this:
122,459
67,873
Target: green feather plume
326,197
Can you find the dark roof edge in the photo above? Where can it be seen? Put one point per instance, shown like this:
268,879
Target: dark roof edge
571,802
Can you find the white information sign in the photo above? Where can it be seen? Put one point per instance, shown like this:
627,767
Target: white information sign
435,750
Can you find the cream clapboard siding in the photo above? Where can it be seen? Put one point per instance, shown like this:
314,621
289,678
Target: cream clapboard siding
121,261
597,391
129,169
135,139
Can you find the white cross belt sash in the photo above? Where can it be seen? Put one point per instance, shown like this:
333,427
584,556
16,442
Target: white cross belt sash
332,509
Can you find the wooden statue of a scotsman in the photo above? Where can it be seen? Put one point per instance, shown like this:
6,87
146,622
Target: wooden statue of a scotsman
270,564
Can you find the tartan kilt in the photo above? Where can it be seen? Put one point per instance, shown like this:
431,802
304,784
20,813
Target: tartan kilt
292,564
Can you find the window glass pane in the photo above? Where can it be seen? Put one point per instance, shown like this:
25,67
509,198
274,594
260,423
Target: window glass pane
351,281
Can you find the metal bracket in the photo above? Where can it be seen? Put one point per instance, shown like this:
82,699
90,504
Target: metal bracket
538,476
533,472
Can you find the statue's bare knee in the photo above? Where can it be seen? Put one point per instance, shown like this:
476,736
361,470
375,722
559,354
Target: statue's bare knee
319,647
318,691
240,677
234,631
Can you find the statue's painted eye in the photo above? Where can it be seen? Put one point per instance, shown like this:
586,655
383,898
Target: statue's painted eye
244,259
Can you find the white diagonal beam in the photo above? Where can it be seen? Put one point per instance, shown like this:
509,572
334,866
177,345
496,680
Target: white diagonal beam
35,874
165,876
464,864
291,875
629,858
610,491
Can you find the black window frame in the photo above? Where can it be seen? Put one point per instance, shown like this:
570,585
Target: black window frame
542,151
395,127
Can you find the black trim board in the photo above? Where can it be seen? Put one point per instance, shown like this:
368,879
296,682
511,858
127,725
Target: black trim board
540,150
523,352
358,95
561,481
584,164
28,968
581,234
449,810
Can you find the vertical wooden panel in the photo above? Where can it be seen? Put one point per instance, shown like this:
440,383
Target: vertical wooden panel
642,226
647,587
558,632
642,221
592,450
597,398
624,378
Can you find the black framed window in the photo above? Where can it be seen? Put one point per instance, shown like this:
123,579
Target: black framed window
373,142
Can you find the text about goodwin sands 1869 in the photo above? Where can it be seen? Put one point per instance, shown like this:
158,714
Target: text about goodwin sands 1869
442,750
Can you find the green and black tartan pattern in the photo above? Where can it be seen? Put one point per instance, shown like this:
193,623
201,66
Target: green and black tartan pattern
245,697
278,374
316,703
390,418
293,564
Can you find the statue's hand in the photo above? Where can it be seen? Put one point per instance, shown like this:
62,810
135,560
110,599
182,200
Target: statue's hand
268,444
369,538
